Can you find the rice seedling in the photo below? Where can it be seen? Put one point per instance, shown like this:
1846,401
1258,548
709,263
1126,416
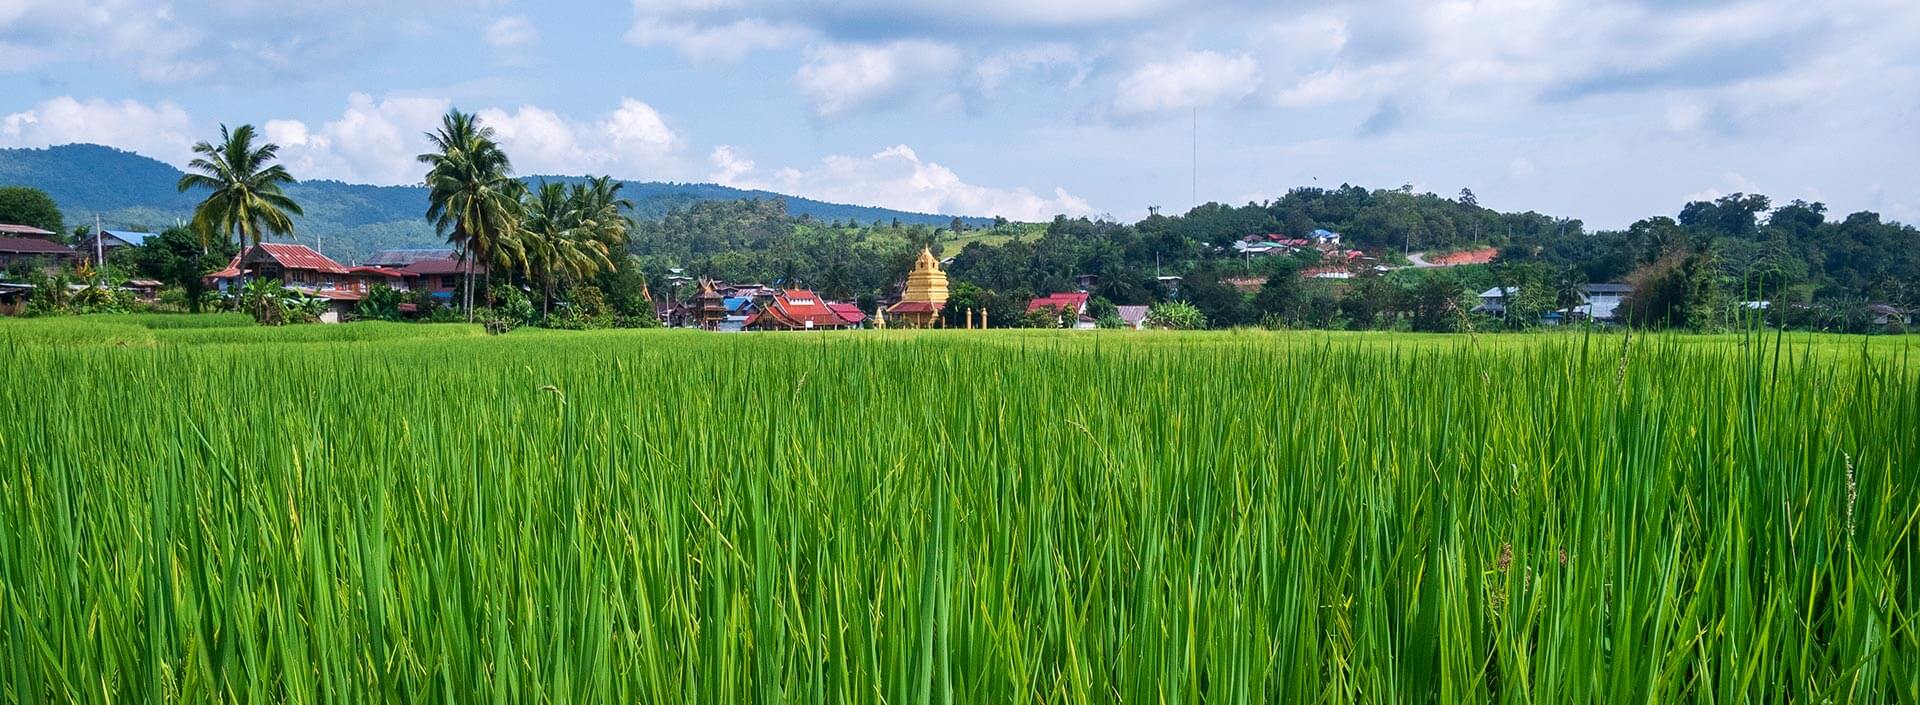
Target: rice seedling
404,514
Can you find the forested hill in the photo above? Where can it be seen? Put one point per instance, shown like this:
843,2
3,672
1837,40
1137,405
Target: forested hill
128,190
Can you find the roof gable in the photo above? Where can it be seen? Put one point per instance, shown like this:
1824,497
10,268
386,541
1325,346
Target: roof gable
292,256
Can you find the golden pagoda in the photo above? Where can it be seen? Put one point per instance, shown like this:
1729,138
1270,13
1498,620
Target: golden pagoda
925,296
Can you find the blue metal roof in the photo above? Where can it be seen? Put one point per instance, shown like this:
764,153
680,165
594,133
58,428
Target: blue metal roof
129,236
736,303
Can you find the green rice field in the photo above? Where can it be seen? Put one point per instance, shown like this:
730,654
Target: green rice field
198,510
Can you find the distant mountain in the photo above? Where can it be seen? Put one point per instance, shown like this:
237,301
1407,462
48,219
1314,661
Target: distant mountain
350,221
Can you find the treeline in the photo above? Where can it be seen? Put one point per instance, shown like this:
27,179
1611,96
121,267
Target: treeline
1704,268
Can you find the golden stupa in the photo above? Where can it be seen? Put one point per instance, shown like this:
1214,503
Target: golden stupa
925,296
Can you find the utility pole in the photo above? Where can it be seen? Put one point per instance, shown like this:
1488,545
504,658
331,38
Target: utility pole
99,250
1196,157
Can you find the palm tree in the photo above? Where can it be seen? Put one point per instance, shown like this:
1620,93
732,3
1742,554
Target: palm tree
560,241
246,202
603,211
472,199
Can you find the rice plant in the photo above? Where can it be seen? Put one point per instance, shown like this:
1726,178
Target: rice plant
379,514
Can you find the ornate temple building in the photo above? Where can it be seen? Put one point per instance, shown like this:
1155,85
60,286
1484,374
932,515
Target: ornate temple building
925,297
707,309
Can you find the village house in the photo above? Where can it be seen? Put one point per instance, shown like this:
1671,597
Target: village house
103,243
296,267
1072,305
1494,302
1600,302
144,289
364,278
1134,316
436,271
25,243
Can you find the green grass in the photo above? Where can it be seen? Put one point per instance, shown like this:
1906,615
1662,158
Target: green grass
407,513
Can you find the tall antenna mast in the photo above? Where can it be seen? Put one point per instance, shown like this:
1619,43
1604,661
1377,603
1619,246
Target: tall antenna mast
1196,156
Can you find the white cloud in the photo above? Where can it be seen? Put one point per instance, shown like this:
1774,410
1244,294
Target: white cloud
632,142
512,33
1193,79
840,78
163,131
728,42
895,178
373,141
197,42
376,141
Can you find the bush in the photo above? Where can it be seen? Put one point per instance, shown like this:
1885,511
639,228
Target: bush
382,303
511,305
1176,315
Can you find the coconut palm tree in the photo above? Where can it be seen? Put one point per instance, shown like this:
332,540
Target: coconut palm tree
603,211
559,240
473,199
246,203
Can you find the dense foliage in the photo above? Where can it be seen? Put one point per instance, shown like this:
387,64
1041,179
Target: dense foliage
23,205
383,513
1693,271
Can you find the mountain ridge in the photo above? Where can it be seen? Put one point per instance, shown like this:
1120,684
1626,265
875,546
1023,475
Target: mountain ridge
129,190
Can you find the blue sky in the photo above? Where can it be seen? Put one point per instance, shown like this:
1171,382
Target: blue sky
1605,110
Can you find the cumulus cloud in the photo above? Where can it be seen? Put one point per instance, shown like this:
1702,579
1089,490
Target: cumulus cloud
376,141
632,142
163,131
895,178
373,141
1192,79
839,78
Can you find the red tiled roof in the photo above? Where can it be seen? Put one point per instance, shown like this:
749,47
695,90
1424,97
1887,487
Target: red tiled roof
1069,303
847,312
379,271
28,230
33,246
914,307
292,256
795,309
336,294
